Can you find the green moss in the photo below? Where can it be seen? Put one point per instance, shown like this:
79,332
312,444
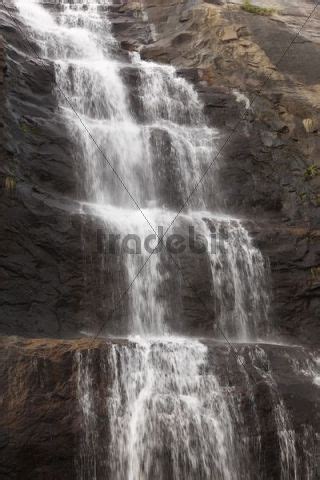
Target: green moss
311,172
303,196
29,129
248,7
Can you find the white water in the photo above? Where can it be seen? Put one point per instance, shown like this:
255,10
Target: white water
168,418
173,142
239,279
171,416
87,462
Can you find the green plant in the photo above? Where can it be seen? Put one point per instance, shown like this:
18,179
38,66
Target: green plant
302,196
311,172
248,7
10,184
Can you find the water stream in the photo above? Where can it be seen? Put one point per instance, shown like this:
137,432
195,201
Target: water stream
170,416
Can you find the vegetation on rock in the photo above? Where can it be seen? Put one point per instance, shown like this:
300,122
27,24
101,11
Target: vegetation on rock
248,7
29,129
311,172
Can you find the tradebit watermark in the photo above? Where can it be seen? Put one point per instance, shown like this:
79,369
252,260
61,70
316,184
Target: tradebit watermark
155,243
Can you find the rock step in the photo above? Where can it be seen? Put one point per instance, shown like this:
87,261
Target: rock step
47,417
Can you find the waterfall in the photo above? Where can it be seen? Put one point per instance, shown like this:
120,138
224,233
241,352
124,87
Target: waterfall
168,413
168,416
239,279
286,434
159,158
87,463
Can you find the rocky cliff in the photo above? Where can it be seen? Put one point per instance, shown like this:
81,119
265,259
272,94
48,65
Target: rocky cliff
56,281
266,106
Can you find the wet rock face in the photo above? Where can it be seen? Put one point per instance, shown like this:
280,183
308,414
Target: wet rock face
52,260
269,113
51,269
39,393
43,432
37,235
58,279
272,397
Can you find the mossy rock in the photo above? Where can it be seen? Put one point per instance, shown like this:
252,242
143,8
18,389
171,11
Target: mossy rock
29,129
248,7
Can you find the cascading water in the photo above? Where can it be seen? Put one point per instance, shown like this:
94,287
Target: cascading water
175,421
286,435
239,279
87,462
169,417
172,141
